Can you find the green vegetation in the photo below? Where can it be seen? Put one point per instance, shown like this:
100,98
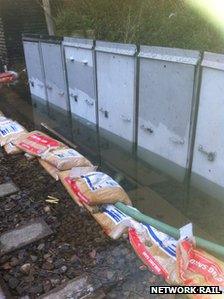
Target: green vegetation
170,23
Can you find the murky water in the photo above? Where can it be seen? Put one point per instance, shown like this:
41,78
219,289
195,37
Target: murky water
153,191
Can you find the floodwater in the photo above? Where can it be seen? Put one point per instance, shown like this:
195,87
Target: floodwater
152,191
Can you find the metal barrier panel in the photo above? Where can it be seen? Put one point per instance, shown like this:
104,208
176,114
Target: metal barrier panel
116,70
34,69
53,61
80,66
208,159
166,101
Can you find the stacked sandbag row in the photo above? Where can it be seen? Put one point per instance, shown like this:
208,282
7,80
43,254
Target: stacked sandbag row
52,154
10,131
178,262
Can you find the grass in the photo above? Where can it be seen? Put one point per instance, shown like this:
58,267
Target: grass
170,23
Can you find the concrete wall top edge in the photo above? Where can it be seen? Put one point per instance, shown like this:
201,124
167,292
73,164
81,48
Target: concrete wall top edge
170,54
78,42
116,48
31,37
213,60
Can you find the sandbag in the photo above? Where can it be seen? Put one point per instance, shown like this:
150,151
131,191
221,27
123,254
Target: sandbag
77,172
10,130
36,143
157,251
196,267
53,171
94,188
110,219
65,158
11,149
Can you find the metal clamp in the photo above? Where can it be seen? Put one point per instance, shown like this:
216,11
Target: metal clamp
146,129
31,82
72,59
74,96
61,93
124,118
85,62
177,140
105,112
88,102
210,155
48,86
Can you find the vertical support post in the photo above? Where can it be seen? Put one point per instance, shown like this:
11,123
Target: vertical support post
194,115
97,106
49,20
69,112
137,78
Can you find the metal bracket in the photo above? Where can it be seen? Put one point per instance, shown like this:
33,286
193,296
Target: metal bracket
74,96
176,140
88,102
31,83
210,155
85,62
61,93
72,59
48,86
105,112
146,129
124,118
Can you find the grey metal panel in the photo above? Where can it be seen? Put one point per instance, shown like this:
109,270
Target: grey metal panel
116,85
208,159
166,101
80,66
55,74
34,69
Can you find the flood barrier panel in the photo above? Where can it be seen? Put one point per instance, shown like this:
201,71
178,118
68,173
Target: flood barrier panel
81,77
116,82
54,70
208,157
35,71
80,66
166,105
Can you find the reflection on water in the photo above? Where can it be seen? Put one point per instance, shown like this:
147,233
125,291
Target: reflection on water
152,191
